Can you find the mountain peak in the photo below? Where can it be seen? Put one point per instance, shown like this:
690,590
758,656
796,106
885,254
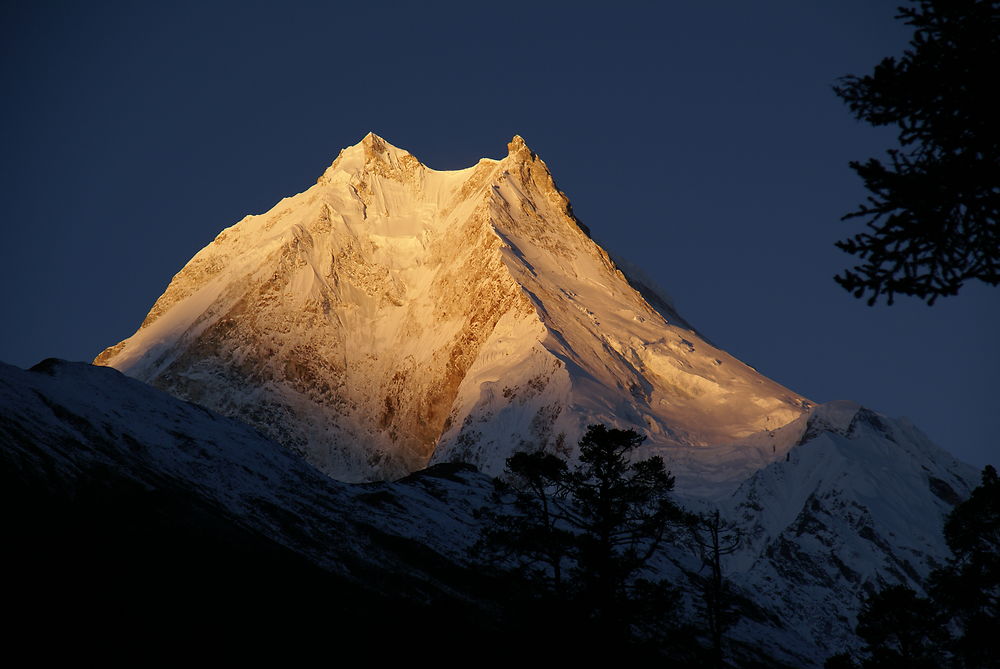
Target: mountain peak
371,151
396,313
376,146
375,143
516,147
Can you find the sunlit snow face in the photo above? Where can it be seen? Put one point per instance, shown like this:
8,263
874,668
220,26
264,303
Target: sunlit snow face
392,315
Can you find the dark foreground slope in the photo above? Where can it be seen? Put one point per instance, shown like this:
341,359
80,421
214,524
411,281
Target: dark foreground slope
139,528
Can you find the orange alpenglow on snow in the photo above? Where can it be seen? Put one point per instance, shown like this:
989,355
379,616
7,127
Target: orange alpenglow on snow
393,315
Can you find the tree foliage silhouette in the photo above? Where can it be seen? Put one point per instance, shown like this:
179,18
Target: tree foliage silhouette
529,530
902,629
967,589
714,538
932,215
588,533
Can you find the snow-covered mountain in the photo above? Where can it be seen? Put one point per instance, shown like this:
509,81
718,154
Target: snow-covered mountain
393,315
857,502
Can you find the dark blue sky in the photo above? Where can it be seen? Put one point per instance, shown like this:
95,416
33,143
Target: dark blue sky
700,140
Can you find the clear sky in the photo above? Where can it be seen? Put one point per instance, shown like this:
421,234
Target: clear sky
699,140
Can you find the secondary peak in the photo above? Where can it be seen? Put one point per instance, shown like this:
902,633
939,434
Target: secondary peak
517,147
373,140
374,145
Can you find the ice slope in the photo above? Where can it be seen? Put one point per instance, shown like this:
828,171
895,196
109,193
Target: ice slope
393,315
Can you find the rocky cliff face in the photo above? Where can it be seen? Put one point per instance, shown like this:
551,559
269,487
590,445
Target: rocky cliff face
393,315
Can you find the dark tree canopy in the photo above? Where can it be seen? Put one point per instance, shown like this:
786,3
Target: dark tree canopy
622,511
529,530
586,534
968,588
714,538
932,216
902,629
